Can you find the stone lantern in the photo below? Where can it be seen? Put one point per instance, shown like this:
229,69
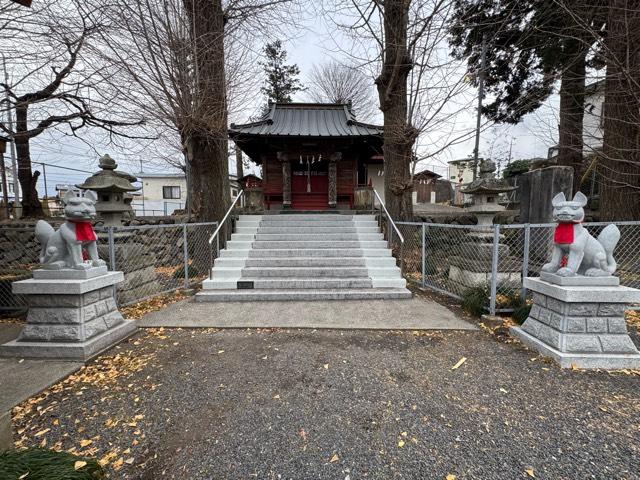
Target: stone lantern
477,270
112,188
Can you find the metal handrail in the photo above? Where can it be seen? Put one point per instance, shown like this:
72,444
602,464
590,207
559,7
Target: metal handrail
216,234
395,227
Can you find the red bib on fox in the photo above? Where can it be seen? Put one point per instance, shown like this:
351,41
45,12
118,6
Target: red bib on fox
563,233
84,232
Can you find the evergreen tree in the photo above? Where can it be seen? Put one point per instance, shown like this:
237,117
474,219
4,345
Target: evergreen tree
281,80
531,44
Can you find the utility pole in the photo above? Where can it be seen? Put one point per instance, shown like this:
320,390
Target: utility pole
142,183
5,193
483,66
14,164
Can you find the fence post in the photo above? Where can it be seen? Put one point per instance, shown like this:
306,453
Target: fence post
494,269
112,248
185,249
525,258
424,255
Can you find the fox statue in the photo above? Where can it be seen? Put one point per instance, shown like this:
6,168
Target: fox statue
64,248
575,250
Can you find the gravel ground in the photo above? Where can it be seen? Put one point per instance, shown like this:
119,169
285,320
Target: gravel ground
306,404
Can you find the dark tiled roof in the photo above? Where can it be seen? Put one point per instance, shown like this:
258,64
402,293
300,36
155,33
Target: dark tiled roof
307,120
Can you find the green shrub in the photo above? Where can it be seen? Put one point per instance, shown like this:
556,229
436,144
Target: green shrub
475,299
41,464
515,168
193,272
521,312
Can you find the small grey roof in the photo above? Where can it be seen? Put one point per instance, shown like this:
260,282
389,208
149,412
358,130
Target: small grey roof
307,120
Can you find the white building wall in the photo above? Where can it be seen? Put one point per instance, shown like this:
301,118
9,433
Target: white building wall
593,117
375,173
152,193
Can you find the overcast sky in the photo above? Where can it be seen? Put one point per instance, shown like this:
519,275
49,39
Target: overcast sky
315,43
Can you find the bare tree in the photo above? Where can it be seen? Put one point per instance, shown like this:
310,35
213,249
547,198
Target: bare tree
421,89
170,70
54,85
335,82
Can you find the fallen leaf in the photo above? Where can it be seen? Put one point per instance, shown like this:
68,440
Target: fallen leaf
276,397
129,461
79,464
460,362
451,476
326,366
117,464
503,390
24,475
529,472
334,459
85,443
42,432
220,351
401,443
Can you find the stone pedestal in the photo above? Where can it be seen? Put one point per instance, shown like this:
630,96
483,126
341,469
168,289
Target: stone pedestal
581,325
72,315
472,264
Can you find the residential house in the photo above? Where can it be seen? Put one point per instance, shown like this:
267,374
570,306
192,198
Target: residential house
163,193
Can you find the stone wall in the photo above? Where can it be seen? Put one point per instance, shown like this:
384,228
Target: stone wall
147,256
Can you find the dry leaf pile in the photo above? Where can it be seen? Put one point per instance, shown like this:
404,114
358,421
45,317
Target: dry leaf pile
138,310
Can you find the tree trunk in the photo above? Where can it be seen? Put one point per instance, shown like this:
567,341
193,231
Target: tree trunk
572,92
31,206
399,136
208,143
619,168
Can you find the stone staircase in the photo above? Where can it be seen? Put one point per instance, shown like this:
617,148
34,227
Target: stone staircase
305,257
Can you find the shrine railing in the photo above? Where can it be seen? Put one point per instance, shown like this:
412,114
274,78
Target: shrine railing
391,227
221,228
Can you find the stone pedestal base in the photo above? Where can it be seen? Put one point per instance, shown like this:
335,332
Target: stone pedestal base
69,319
580,325
477,271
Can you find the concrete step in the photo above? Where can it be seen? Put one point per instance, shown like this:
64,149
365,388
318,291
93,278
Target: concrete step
315,244
301,217
372,262
322,230
306,272
307,253
218,283
300,237
316,223
302,295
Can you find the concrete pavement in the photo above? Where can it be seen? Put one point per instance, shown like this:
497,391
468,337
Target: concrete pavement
413,314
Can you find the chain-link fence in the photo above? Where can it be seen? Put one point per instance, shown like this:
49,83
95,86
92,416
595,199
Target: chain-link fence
458,259
155,259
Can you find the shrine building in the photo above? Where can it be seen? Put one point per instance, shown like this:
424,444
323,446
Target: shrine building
313,155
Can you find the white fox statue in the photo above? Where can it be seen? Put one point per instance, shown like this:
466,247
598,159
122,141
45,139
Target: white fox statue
575,250
64,248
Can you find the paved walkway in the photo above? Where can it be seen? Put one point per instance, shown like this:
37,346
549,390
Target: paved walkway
414,314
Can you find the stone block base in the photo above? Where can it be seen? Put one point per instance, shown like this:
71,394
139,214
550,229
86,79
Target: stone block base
607,361
469,278
77,352
580,325
69,319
